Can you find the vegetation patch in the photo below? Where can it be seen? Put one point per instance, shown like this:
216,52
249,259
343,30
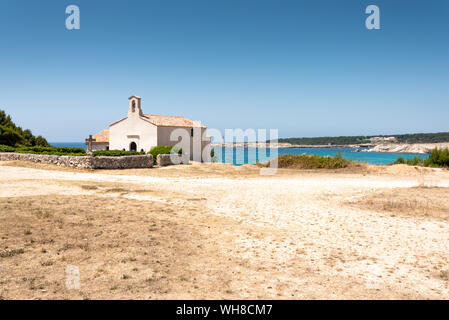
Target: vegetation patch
89,187
312,162
416,201
61,151
438,158
415,161
4,148
11,253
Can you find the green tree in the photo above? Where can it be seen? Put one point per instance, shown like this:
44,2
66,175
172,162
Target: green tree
9,137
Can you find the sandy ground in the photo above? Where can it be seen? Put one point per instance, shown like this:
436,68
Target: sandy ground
216,231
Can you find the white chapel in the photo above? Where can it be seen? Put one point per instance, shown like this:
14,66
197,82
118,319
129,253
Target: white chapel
140,132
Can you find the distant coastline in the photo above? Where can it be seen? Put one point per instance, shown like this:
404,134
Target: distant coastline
286,145
417,148
421,143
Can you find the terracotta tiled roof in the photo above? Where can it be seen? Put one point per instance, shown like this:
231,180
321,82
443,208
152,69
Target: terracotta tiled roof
102,136
171,121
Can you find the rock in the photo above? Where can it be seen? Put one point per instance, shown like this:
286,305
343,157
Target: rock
163,160
407,147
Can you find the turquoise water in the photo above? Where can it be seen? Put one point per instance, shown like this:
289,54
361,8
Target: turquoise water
69,144
251,155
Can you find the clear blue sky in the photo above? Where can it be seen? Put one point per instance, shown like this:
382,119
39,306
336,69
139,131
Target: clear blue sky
308,68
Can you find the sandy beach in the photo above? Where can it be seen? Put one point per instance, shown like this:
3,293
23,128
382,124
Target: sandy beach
214,231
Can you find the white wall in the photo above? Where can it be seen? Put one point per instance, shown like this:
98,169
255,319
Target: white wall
132,129
99,146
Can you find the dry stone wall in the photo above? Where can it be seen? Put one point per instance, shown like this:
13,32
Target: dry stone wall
85,162
163,160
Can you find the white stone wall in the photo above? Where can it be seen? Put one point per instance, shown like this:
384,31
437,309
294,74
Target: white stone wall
99,146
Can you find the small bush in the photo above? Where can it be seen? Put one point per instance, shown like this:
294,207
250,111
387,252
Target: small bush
4,148
312,161
116,153
400,160
163,150
64,151
415,161
438,158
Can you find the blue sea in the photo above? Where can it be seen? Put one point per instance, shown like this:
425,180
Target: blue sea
252,155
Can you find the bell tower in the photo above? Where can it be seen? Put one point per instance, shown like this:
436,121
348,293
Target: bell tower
134,106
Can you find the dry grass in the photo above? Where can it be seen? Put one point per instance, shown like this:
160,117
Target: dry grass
417,201
144,250
123,248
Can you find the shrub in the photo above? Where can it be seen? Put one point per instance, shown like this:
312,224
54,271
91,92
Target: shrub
41,141
438,158
415,161
163,150
400,160
312,161
64,151
4,148
116,153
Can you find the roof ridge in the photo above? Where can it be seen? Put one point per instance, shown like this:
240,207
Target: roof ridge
162,115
